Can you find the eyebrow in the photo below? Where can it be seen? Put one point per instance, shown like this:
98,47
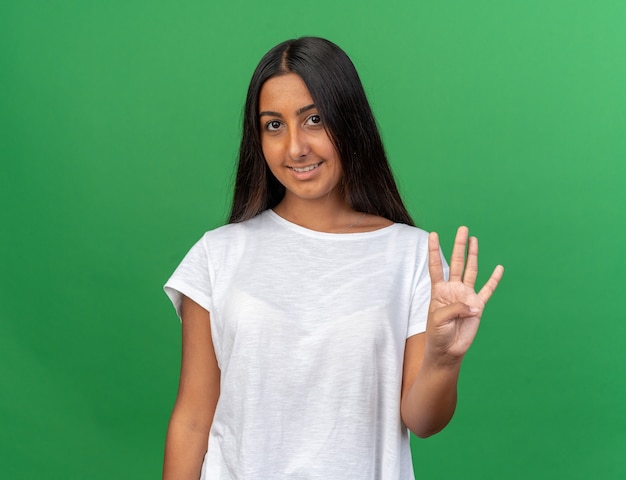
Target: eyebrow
305,109
300,111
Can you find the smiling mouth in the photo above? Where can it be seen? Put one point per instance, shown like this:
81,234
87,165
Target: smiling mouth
305,169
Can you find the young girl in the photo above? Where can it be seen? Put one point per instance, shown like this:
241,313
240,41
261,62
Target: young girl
318,326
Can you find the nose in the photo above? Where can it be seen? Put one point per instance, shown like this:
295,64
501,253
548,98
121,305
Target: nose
298,144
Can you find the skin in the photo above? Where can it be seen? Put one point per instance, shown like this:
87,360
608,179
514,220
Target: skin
293,136
198,391
432,360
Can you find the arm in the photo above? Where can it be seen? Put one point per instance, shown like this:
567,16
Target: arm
432,360
198,391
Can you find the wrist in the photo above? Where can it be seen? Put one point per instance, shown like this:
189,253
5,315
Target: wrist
437,360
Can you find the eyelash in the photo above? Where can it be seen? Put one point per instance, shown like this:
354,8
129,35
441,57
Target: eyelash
315,115
268,125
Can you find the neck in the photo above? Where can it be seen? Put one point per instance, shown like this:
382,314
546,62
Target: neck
328,214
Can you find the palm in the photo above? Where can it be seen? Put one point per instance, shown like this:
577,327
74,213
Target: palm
452,326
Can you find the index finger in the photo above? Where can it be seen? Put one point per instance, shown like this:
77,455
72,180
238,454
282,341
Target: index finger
435,268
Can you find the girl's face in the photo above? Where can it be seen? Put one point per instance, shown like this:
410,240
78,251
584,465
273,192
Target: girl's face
295,144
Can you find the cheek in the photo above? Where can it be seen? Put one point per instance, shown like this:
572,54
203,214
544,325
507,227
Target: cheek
272,160
267,152
271,147
330,152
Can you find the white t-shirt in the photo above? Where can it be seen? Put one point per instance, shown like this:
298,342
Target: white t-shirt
309,330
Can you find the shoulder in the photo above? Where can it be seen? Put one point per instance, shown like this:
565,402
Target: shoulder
233,233
408,242
411,234
372,223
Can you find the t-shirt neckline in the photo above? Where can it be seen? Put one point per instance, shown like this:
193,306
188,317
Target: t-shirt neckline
335,236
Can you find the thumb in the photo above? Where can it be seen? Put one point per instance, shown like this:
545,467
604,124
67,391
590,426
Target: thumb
453,311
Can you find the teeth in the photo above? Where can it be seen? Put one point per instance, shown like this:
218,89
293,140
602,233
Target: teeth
305,169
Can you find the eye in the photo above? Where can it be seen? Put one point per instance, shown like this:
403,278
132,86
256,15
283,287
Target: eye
314,119
272,125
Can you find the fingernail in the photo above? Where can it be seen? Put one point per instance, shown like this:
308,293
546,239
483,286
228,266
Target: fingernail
474,310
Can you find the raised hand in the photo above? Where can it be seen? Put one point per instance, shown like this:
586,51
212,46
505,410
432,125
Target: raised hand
455,307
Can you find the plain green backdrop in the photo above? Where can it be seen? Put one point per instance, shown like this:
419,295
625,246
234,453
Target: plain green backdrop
119,127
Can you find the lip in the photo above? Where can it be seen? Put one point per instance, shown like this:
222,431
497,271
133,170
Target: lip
306,174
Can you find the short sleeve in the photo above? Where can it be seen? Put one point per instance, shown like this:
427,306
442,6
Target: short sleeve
192,279
421,296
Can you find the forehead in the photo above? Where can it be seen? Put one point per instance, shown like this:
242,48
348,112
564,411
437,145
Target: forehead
284,93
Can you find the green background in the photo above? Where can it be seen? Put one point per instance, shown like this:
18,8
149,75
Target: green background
119,127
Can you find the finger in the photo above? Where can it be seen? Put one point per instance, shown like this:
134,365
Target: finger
457,260
471,267
453,311
491,285
435,268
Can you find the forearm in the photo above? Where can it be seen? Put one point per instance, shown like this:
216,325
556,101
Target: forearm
198,393
429,403
185,447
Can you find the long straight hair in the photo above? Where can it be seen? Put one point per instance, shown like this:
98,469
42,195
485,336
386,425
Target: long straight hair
335,87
